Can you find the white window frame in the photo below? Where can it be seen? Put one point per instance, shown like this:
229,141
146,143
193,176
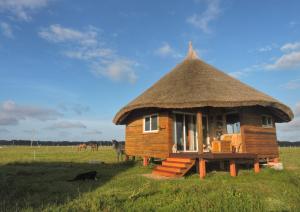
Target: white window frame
144,123
230,113
268,125
184,130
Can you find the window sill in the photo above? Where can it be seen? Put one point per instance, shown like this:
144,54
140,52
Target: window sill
150,132
266,126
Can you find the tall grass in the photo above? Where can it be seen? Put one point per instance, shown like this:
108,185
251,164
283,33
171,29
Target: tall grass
40,184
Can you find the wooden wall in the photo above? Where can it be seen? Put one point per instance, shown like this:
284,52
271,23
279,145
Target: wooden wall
151,144
261,141
256,138
252,116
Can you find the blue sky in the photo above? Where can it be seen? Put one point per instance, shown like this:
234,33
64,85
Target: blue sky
66,67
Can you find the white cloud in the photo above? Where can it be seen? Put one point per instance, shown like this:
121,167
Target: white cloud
56,33
297,110
66,125
164,50
3,130
292,85
96,129
167,51
290,46
6,30
92,132
203,20
291,131
22,9
11,113
87,46
246,71
287,61
89,54
292,24
78,108
265,49
116,70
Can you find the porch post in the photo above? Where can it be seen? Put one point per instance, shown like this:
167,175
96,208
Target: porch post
145,161
200,132
202,168
232,168
256,166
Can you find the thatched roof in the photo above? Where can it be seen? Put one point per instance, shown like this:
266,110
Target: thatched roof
193,84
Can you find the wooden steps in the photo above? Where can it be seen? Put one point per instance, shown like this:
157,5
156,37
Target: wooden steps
174,167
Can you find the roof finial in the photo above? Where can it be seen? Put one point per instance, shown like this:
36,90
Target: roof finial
192,54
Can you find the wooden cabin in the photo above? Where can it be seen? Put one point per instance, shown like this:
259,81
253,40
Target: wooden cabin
197,113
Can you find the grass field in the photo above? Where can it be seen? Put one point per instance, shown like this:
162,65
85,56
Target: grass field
40,183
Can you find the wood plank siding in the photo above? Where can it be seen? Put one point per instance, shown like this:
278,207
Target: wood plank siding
152,144
259,140
256,139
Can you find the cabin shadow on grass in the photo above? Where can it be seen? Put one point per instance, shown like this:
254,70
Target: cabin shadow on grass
39,184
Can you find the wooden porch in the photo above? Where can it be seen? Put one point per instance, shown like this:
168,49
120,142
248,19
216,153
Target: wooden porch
177,164
214,156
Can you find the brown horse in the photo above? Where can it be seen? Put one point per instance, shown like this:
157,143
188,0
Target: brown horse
94,147
81,147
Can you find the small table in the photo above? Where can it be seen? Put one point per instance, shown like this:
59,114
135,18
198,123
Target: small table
220,146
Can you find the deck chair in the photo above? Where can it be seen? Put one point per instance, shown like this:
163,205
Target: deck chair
236,143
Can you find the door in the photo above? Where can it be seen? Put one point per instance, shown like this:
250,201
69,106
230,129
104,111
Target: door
185,134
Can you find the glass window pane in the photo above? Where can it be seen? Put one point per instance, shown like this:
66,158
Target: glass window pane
264,120
229,129
233,123
154,124
147,123
237,127
270,121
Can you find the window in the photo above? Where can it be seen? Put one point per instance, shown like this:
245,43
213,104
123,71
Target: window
233,123
267,121
151,123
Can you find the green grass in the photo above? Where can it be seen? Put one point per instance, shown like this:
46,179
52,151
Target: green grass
41,184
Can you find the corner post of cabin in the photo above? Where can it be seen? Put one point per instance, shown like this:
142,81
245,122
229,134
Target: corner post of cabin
202,168
256,165
145,161
232,166
200,132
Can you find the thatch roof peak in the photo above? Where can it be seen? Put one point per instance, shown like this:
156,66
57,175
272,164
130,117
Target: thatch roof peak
195,84
192,54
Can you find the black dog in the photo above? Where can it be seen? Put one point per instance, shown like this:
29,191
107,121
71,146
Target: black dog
85,176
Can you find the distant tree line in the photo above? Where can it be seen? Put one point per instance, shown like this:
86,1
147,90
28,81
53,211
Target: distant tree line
288,144
100,143
52,143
